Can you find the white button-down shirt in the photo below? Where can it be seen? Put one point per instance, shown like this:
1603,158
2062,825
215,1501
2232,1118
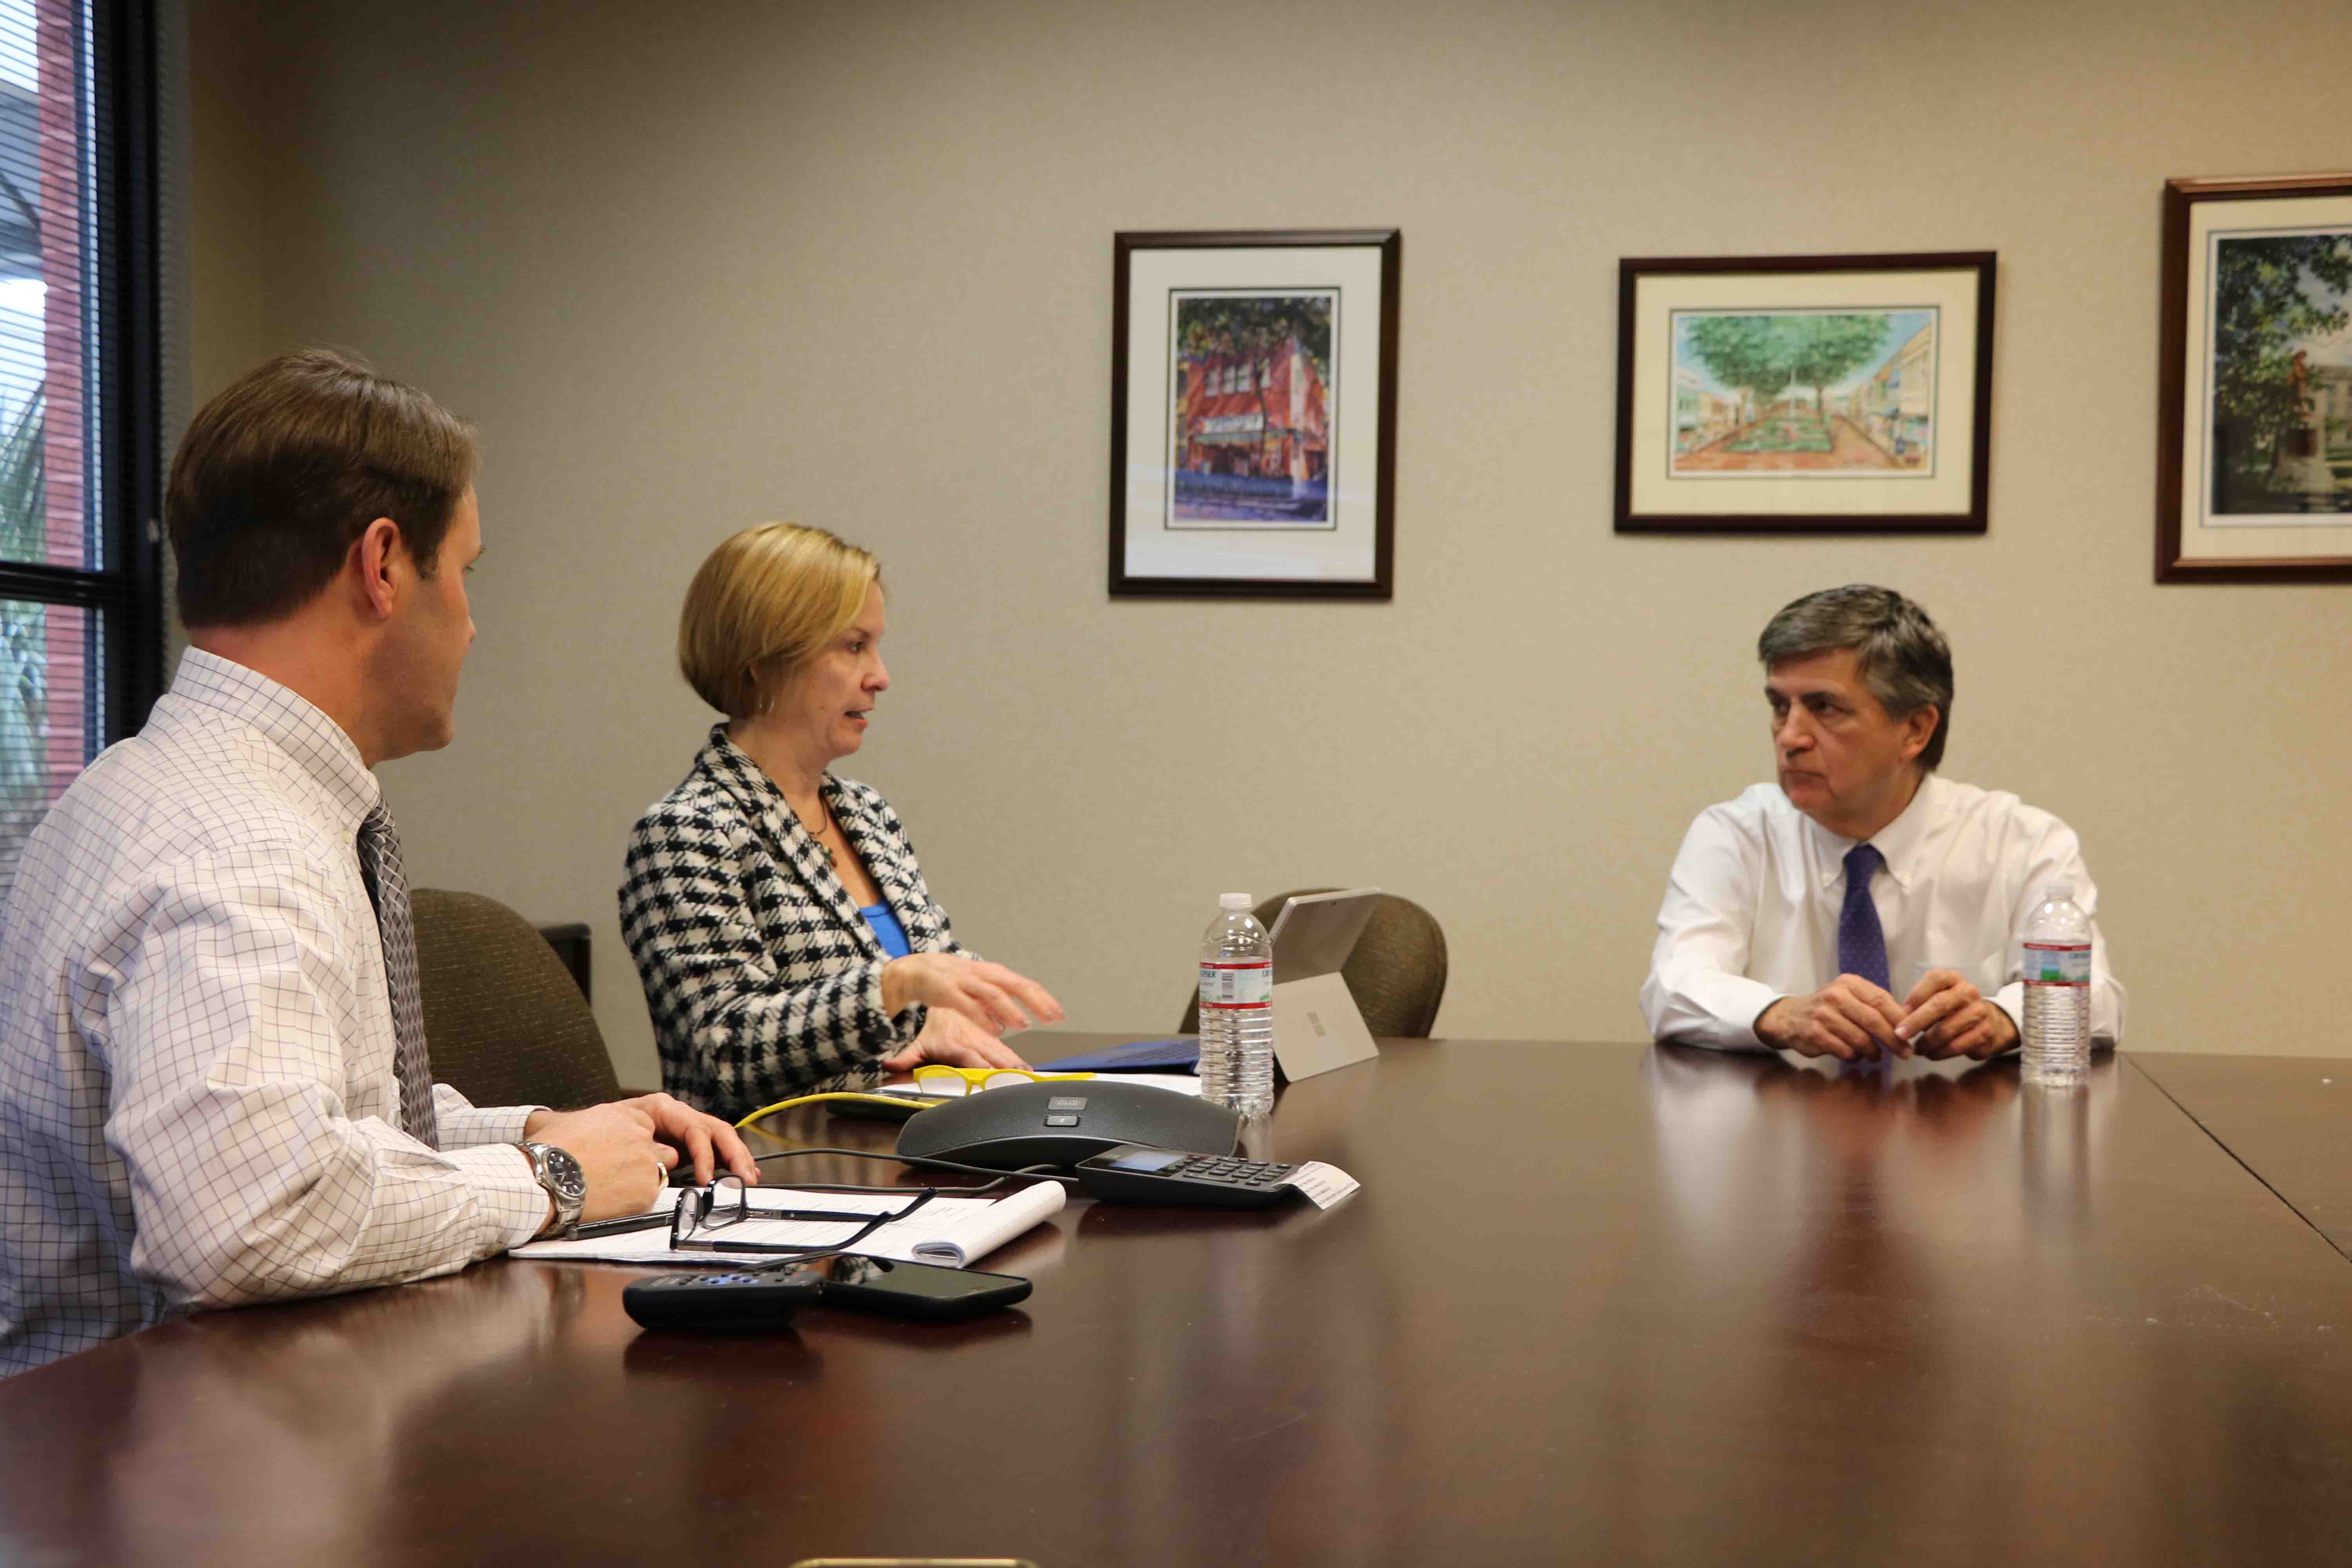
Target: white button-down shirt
197,1106
1751,908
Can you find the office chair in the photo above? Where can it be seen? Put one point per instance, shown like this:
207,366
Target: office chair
1396,973
504,1020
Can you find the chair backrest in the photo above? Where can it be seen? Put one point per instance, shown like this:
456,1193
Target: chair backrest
504,1021
1396,973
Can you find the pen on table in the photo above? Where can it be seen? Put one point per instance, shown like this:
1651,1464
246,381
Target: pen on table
622,1225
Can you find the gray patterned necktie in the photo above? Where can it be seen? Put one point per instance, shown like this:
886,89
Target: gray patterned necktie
388,890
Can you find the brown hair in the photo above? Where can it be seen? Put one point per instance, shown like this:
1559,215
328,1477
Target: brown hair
286,468
765,600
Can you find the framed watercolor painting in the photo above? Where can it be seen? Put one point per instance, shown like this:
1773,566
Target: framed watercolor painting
1252,396
1805,394
2253,478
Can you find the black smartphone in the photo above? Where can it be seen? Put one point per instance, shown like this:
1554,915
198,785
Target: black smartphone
910,1289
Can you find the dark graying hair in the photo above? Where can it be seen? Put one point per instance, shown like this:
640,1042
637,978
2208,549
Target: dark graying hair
1902,657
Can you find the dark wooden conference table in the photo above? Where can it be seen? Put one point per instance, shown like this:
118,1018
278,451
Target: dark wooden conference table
1595,1303
2287,1119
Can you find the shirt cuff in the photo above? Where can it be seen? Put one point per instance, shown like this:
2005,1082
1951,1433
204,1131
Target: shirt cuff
2011,999
473,1126
512,1205
902,1027
1736,1003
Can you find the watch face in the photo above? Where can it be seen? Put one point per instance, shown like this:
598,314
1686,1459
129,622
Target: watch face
569,1178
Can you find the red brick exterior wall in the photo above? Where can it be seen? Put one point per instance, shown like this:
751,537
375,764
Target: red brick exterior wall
58,41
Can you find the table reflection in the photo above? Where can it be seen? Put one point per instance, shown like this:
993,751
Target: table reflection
1825,1136
1915,1251
301,1414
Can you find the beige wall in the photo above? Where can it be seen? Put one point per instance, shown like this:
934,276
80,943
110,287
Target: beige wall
695,267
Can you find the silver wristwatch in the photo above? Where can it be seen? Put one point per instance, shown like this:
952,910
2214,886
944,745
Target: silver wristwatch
561,1174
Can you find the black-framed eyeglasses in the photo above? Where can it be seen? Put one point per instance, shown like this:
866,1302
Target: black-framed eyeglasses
704,1213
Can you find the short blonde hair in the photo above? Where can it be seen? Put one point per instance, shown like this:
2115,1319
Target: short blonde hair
764,601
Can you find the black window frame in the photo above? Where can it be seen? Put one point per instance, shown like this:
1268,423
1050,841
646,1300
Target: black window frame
122,371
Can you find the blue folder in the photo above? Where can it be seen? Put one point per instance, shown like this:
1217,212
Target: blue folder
1180,1055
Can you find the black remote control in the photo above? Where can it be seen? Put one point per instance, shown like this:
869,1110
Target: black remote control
735,1299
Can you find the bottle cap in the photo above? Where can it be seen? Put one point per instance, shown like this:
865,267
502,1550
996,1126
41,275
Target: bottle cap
2058,893
1234,901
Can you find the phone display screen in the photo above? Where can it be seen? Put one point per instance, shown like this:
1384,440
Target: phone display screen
1146,1160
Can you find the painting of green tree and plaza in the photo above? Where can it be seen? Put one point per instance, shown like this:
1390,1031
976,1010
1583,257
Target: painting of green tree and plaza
2282,372
1805,391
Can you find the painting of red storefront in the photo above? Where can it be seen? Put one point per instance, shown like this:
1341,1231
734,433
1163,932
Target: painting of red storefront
1251,420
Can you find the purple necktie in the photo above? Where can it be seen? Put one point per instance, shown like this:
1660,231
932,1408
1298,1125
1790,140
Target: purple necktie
1861,941
387,887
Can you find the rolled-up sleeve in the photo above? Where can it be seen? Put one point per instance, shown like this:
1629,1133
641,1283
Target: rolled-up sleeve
1696,993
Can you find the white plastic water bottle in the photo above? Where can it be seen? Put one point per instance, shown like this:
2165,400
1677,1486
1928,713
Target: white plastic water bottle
1237,1011
2057,954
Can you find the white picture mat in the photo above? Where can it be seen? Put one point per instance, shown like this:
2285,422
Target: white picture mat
2254,535
1346,551
1949,292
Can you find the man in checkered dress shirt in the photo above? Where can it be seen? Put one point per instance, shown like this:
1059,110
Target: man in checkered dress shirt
200,1087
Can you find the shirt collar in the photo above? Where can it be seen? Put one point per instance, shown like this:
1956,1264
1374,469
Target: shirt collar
732,766
1898,842
290,721
765,801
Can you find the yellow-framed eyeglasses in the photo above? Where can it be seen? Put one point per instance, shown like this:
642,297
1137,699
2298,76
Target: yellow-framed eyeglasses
939,1078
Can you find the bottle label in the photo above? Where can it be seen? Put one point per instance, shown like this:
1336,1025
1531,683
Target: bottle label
1237,985
2057,962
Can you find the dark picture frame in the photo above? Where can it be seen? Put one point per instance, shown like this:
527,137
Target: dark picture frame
1252,408
2256,278
1896,350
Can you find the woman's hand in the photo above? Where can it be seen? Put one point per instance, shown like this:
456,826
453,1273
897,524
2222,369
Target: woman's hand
986,995
952,1039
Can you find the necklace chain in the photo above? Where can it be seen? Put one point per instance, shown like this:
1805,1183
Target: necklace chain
825,820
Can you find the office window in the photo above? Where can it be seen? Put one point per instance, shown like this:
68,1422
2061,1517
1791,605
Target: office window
80,601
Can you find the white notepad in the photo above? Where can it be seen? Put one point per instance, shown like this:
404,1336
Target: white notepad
954,1231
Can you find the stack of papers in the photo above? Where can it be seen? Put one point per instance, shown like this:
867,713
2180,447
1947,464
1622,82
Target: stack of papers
1180,1082
954,1231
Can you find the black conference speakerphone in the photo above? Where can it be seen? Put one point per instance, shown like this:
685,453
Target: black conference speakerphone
1135,1175
1060,1124
900,1106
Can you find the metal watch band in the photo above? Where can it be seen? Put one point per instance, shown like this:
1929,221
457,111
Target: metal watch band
560,1176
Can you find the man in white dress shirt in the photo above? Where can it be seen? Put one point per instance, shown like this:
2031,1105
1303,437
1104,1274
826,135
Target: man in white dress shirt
1862,905
213,1087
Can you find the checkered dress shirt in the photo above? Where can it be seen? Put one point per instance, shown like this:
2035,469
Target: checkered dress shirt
197,1101
763,980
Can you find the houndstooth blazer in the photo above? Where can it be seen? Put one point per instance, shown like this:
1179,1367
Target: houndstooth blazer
763,980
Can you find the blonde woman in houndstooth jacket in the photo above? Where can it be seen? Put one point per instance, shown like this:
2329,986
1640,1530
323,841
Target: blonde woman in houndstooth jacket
778,920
